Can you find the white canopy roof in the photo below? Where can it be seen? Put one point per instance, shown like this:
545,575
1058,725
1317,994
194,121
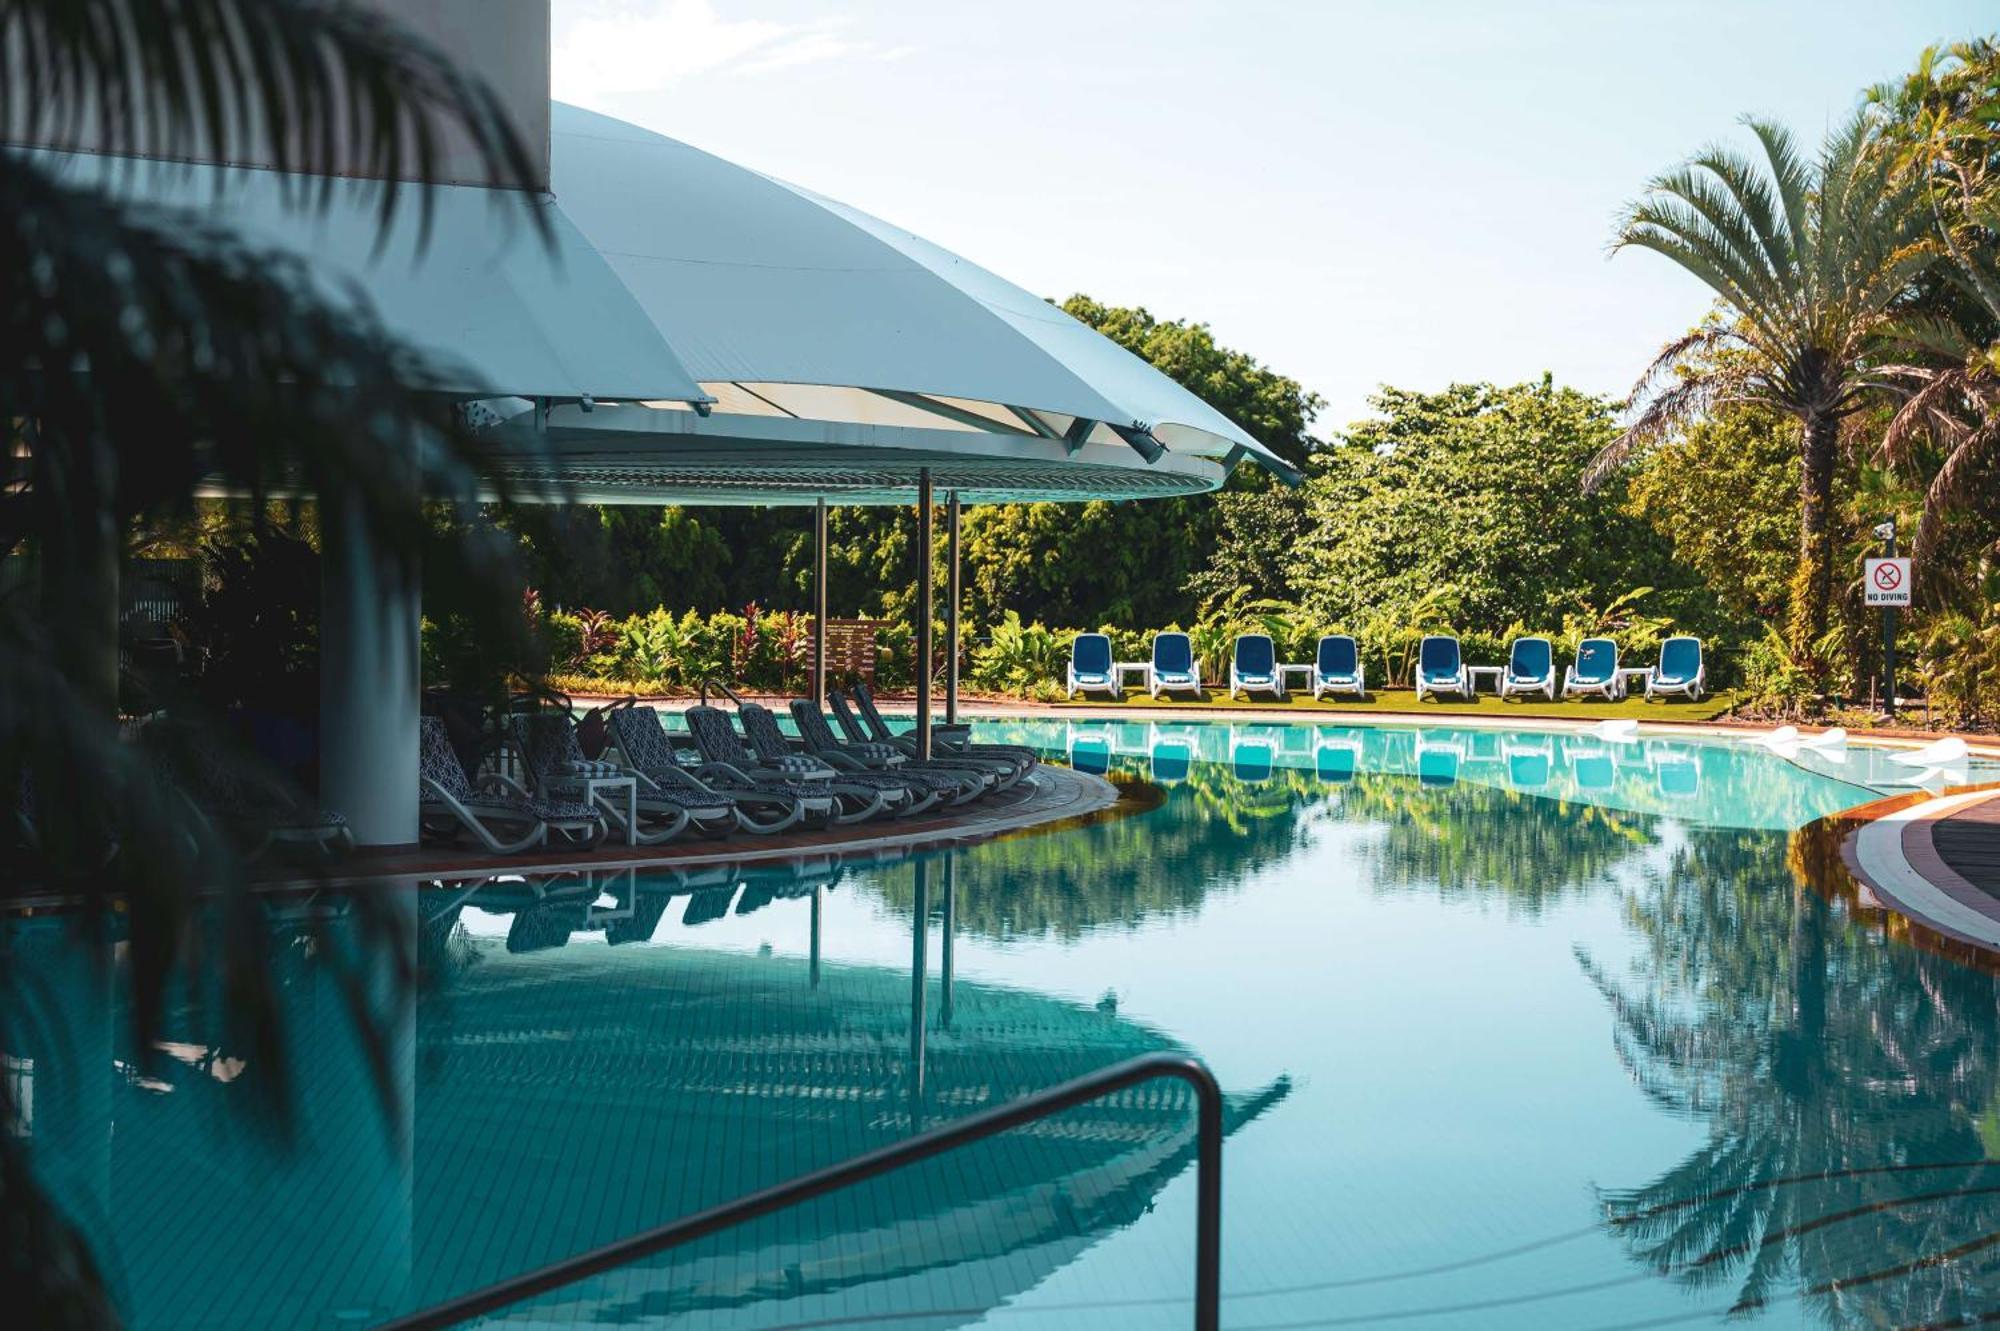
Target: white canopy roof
499,310
700,333
783,303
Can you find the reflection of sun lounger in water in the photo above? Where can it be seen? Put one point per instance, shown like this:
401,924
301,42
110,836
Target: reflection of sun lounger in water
1090,751
1529,760
1592,767
1337,760
1437,761
1677,771
1173,755
708,904
1251,759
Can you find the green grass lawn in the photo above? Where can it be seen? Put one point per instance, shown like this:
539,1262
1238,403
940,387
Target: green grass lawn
1405,701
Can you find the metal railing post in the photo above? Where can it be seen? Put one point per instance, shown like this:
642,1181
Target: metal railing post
974,1127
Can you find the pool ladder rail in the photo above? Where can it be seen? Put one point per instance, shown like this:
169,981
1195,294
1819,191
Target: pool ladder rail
924,1146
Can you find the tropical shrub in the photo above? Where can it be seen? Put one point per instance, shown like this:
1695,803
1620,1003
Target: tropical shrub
1637,634
651,648
1016,657
1958,662
1779,678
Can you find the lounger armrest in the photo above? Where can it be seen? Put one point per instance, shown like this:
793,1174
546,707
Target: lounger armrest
725,771
842,762
681,777
501,781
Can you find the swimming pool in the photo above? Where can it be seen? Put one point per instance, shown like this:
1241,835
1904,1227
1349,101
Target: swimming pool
1518,1029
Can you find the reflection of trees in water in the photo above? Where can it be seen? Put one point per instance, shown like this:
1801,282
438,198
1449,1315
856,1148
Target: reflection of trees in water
1210,829
1472,840
1844,1078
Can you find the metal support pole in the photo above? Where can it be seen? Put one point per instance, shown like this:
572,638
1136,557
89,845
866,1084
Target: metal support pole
1889,641
924,597
920,921
952,590
946,962
819,605
818,907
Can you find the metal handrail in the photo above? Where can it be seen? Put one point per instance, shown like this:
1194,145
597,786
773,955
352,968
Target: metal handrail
721,688
977,1127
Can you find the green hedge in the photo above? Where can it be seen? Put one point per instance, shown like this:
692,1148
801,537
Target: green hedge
659,652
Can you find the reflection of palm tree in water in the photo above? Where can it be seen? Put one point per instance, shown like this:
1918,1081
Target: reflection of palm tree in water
1844,1078
1478,840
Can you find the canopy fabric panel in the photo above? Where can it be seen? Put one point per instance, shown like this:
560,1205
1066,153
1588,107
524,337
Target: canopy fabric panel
756,282
497,309
627,453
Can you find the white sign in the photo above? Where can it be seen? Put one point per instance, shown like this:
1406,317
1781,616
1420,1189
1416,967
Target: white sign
1886,582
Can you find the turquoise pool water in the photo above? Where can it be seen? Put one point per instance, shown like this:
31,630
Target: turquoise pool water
1518,1030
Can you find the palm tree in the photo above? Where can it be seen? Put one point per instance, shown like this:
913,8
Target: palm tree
1938,127
1950,399
148,354
1809,260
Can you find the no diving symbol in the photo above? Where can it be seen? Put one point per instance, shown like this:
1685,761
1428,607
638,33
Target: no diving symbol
1888,576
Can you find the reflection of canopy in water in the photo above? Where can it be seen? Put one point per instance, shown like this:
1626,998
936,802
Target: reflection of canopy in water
711,1074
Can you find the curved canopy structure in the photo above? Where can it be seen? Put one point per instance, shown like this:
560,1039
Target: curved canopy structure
698,332
844,354
494,308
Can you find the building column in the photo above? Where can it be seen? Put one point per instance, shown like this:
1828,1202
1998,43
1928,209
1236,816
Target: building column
371,608
819,605
951,582
924,596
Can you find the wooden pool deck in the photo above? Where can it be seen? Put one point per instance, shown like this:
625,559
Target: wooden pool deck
1933,859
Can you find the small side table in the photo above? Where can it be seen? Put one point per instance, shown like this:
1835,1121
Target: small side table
1288,672
1629,673
596,788
1121,669
1492,674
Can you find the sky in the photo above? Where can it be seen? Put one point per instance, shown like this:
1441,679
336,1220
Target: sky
1356,193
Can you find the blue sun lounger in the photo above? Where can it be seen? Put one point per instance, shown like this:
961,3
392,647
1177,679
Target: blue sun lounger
1174,669
1680,670
1595,671
1440,668
1253,666
1089,668
1531,668
1337,667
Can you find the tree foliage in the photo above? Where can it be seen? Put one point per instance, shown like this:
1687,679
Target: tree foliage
1812,258
1724,496
1469,501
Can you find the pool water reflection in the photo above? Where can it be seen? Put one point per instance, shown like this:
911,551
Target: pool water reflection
1519,1030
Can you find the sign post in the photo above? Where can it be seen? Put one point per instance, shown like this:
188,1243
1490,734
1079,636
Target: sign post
1886,582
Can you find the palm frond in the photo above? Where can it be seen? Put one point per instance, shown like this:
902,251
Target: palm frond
1677,233
1668,412
1947,491
1790,174
1756,204
225,359
1923,415
314,87
1720,188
